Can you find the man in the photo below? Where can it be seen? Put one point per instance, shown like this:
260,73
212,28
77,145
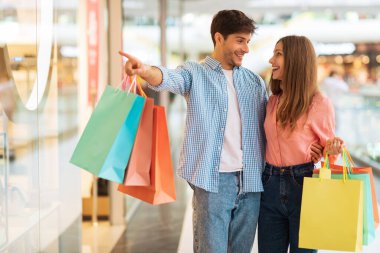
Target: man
334,85
223,150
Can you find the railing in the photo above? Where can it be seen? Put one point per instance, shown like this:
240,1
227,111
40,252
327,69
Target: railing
357,121
4,171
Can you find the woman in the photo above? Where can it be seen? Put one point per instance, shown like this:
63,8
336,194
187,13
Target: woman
298,116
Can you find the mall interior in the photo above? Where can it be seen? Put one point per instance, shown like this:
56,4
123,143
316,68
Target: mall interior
57,57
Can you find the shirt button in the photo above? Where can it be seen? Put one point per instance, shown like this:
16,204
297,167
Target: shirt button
225,109
222,129
219,148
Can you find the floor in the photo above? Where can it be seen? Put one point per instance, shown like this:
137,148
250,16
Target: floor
166,228
101,237
155,228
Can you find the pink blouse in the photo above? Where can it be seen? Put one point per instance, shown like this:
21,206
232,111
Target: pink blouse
284,148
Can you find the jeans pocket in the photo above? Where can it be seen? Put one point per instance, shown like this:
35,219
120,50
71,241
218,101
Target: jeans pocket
298,179
265,178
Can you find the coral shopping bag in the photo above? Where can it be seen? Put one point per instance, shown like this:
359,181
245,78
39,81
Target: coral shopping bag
331,213
162,188
138,169
107,140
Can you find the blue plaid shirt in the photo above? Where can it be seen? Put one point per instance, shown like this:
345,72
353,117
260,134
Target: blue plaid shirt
204,87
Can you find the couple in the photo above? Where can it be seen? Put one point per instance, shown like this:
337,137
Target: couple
232,129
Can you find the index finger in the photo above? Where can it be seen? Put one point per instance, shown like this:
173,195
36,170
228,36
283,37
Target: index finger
128,56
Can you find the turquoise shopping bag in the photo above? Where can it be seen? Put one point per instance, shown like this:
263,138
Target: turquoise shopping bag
107,140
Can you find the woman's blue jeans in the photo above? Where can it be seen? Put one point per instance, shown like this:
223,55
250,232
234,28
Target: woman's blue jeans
225,221
280,208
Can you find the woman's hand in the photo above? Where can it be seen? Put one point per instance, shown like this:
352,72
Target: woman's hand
316,152
334,146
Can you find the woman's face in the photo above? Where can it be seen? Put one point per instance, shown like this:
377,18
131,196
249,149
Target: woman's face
277,62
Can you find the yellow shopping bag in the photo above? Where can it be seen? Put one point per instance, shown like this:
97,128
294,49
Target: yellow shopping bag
331,213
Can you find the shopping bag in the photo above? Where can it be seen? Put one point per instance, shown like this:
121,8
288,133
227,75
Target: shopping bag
368,220
362,170
118,157
138,169
162,188
106,142
331,213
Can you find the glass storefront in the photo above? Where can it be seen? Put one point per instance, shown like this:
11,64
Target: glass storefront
38,89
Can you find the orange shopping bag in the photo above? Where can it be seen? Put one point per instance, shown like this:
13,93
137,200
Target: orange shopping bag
138,168
162,189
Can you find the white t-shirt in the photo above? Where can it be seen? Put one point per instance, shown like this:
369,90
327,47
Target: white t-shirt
232,154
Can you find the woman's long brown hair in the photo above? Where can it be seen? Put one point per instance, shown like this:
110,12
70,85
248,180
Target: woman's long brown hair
299,82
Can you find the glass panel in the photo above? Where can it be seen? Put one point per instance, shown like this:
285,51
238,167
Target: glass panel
19,51
38,91
60,205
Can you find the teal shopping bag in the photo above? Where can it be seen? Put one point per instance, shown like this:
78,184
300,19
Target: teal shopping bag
117,160
103,147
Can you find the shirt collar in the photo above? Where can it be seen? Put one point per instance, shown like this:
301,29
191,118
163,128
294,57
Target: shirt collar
214,64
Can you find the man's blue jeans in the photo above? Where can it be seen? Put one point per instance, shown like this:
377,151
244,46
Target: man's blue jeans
280,208
225,221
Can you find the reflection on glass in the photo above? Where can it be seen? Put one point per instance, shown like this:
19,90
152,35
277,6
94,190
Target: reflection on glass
43,190
18,55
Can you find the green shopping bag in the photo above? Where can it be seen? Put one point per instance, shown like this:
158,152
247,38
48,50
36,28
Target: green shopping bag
106,143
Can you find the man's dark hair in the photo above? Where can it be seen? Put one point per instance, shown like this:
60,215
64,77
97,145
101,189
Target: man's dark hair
333,73
228,22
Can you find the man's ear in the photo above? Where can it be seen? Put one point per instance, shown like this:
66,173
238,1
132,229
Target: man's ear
218,38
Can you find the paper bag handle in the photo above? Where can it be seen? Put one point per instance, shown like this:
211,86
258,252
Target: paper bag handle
134,83
325,172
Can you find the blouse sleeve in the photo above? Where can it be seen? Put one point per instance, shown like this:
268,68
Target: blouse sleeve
323,122
322,119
